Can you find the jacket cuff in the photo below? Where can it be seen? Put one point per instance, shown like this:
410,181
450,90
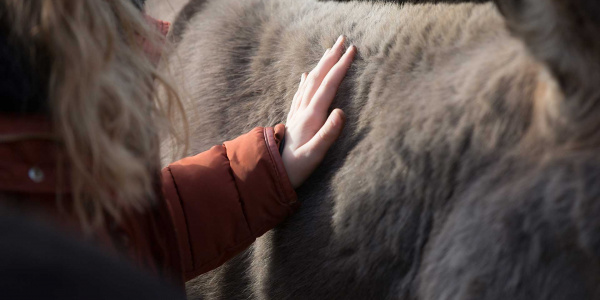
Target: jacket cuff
275,137
222,199
261,178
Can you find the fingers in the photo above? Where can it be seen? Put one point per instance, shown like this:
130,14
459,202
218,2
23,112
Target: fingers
297,97
326,92
301,89
330,131
310,132
316,76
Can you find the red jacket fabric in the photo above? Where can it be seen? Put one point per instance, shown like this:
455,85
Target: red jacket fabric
213,205
221,200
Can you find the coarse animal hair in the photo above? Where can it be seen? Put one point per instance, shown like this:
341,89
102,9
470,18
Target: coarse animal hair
415,1
468,168
99,93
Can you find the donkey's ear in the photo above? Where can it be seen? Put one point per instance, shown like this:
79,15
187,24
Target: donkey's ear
564,35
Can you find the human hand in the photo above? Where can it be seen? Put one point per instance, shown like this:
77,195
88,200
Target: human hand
309,132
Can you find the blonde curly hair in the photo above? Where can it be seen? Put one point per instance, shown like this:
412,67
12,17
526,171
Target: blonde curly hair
102,98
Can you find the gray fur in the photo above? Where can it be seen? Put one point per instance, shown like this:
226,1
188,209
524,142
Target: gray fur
416,1
450,181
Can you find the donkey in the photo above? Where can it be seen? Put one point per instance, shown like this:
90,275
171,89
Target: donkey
416,1
468,168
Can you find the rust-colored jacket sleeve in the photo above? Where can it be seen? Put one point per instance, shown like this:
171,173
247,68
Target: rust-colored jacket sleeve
221,200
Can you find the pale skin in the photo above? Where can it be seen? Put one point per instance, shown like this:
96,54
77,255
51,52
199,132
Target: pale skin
310,132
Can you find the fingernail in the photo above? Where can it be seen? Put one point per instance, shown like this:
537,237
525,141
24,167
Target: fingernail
350,48
343,115
340,39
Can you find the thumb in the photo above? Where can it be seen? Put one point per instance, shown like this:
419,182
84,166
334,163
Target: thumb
327,135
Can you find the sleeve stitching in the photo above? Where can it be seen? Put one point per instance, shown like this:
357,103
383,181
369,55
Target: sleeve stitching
278,184
187,228
239,196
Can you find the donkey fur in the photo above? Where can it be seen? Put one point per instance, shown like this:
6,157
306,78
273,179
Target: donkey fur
468,168
416,1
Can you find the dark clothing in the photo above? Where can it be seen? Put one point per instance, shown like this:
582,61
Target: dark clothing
19,86
39,263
